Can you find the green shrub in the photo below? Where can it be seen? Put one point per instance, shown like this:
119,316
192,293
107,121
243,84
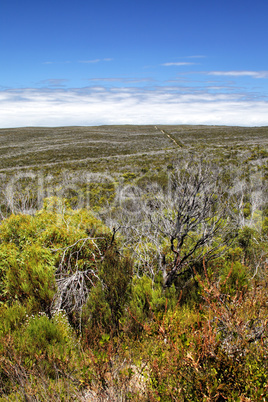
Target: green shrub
96,315
108,299
18,229
47,336
148,301
12,317
245,238
265,227
27,275
41,351
33,248
234,278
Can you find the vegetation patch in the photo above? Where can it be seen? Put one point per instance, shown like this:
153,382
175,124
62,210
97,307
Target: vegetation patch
132,268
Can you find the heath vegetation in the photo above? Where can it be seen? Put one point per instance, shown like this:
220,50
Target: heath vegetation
133,264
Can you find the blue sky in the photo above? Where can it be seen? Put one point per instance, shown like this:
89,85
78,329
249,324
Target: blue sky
133,62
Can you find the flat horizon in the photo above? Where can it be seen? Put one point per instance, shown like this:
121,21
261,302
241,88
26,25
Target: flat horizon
130,124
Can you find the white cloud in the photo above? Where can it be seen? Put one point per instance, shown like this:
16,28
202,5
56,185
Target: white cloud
183,63
93,106
253,74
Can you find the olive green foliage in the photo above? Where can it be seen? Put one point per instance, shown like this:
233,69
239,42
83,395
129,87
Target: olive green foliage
84,313
107,301
27,268
116,274
148,301
34,355
34,248
37,254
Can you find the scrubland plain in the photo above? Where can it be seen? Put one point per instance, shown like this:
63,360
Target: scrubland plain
133,263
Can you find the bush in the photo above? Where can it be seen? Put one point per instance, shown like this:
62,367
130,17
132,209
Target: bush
33,249
148,301
30,277
38,354
108,299
216,353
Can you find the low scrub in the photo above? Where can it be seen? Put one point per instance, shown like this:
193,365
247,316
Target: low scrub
82,318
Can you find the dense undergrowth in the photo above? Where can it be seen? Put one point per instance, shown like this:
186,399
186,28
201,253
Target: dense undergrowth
87,312
77,324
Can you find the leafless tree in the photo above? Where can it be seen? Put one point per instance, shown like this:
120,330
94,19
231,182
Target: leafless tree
192,216
187,220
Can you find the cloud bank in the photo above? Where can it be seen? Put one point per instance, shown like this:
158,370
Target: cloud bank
252,74
99,105
182,63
